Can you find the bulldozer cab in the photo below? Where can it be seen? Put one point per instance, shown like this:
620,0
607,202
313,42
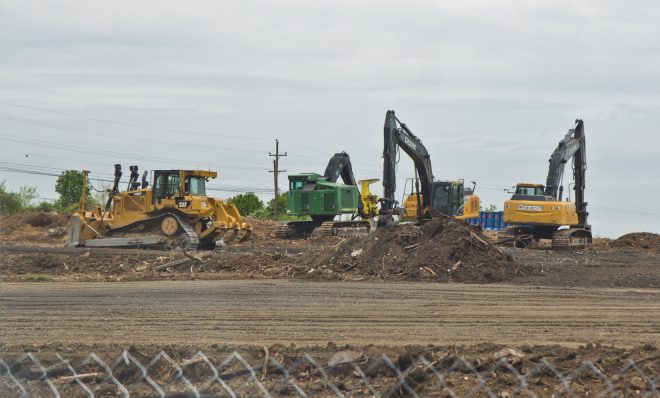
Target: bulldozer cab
447,198
179,183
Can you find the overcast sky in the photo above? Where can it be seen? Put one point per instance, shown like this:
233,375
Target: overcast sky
489,86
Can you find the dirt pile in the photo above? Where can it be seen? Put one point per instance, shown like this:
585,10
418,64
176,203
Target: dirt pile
36,228
443,249
638,240
262,230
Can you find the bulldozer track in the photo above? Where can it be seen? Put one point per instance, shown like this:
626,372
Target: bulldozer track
187,240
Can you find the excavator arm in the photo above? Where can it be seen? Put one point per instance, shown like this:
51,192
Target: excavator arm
573,145
340,166
397,134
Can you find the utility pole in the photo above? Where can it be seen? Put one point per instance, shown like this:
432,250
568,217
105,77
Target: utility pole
276,171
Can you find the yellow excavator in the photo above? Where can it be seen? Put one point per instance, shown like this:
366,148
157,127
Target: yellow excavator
539,212
431,197
173,212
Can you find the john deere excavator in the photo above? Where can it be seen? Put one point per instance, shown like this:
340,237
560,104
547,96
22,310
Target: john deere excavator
322,199
539,212
173,211
433,197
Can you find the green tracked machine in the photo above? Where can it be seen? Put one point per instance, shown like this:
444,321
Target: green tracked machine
322,199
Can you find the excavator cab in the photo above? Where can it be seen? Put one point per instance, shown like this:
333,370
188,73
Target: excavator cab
525,191
447,198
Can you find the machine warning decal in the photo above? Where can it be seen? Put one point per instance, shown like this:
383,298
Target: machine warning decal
530,207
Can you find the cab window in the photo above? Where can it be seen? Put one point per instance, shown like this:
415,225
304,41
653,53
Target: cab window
196,186
172,184
441,199
159,185
457,196
295,185
530,191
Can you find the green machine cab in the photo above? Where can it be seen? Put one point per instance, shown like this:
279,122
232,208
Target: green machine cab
310,194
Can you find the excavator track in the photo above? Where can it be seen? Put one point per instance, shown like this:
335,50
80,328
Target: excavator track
282,231
325,229
572,238
515,237
187,239
343,229
295,229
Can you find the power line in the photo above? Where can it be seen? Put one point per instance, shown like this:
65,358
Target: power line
107,153
114,135
645,213
132,124
307,148
55,172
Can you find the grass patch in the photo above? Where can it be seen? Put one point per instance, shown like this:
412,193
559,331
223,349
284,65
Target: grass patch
38,277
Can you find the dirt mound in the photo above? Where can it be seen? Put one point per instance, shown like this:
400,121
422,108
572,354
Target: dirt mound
638,240
262,230
35,228
50,220
443,249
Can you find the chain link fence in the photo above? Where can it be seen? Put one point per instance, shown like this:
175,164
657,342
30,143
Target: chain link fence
346,374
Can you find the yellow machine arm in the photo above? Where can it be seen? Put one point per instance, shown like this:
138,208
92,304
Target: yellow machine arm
367,199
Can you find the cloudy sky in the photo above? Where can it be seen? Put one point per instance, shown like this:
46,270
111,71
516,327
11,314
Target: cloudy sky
489,86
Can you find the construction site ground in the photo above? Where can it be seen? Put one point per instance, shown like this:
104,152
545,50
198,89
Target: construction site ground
313,314
438,289
37,253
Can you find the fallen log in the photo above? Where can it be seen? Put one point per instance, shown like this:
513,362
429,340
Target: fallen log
182,261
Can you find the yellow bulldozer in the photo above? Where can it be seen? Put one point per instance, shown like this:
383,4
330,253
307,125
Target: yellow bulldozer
174,211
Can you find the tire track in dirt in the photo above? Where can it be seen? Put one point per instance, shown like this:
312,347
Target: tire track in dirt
278,311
